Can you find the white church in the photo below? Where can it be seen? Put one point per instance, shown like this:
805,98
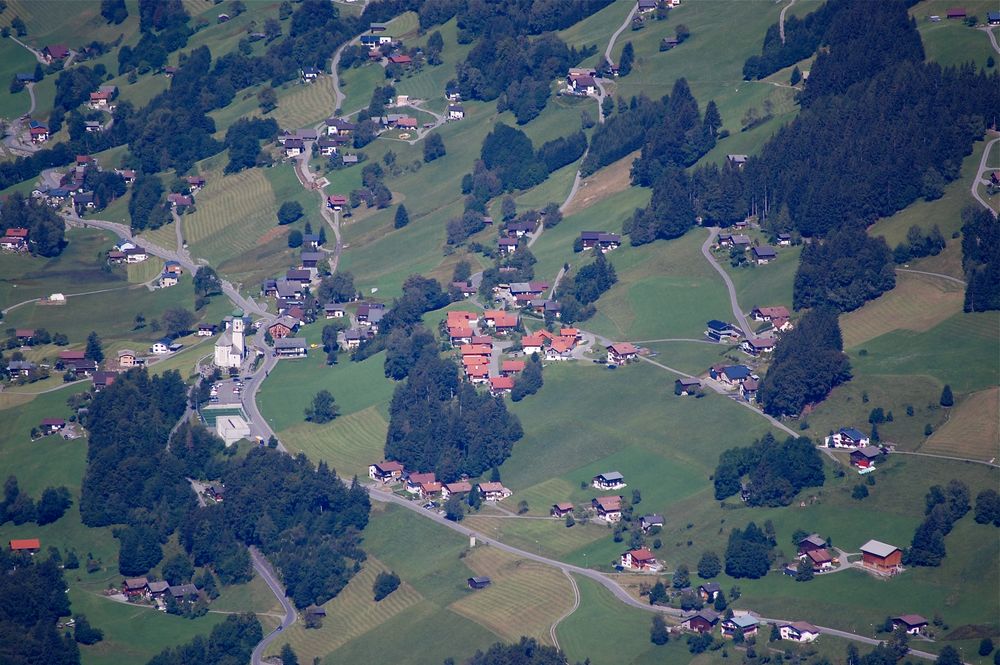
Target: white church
230,349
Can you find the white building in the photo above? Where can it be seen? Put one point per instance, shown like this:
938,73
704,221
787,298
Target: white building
231,429
230,349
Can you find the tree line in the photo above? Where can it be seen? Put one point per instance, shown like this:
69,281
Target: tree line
777,471
19,508
981,260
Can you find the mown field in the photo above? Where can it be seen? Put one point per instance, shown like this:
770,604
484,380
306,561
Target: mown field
971,428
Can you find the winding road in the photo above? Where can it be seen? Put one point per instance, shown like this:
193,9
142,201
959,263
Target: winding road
993,38
983,168
263,568
706,250
781,19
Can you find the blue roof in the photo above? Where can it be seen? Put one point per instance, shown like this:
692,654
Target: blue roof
853,433
715,324
993,16
736,372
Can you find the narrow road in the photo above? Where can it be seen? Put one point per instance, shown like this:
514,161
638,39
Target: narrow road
948,457
617,33
781,20
38,54
933,274
263,568
338,96
993,38
674,339
741,319
31,94
576,605
981,173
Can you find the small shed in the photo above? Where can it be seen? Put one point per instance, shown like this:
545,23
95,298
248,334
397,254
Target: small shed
479,582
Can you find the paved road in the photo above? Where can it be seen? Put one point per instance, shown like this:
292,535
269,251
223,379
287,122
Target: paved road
338,96
981,173
617,33
263,568
781,19
706,250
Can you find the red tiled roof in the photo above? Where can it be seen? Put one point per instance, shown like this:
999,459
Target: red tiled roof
25,544
512,366
501,382
421,478
475,350
642,554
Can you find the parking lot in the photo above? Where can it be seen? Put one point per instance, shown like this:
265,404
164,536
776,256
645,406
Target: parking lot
227,391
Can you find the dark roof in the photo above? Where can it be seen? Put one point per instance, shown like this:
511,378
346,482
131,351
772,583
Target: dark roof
734,372
182,590
765,250
290,343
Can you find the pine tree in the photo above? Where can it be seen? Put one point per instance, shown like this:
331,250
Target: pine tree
796,76
402,217
628,56
947,399
94,350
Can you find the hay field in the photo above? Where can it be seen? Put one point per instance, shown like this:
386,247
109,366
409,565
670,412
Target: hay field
918,303
526,597
348,444
971,430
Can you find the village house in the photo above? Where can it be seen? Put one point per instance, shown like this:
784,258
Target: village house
609,508
465,288
333,311
52,425
158,589
135,255
55,52
610,480
336,202
82,368
784,240
743,623
216,492
290,347
24,335
583,85
92,126
561,509
103,379
798,631
734,240
429,490
511,367
69,356
400,59
101,100
178,200
126,358
339,127
327,146
283,327
621,352
881,557
722,332
501,385
17,368
640,559
810,543
560,348
847,437
415,480
757,346
26,545
161,347
375,40
309,74
501,321
493,491
606,241
184,592
456,112
749,387
702,621
730,375
206,330
820,559
507,245
864,458
764,254
914,624
352,338
460,488
738,161
310,260
135,587
166,280
651,521
686,386
709,591
294,147
646,6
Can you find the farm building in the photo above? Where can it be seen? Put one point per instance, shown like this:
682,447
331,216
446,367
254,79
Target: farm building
881,557
702,621
478,582
912,623
29,545
847,437
640,559
385,472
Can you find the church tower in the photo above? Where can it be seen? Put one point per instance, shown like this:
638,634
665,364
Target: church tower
238,332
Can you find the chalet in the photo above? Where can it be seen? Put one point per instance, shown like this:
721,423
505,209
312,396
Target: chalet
309,74
734,240
16,232
478,582
415,480
407,122
769,313
731,375
738,161
764,254
956,13
158,589
102,98
339,126
811,543
611,480
460,488
367,310
349,159
993,18
478,373
914,624
757,346
456,112
283,327
294,147
126,358
720,331
311,259
83,367
606,241
180,200
173,267
702,621
646,6
507,245
188,592
686,386
135,587
465,288
52,425
67,356
20,368
609,508
135,255
520,229
798,631
287,289
560,348
864,458
561,509
744,624
328,147
493,491
216,491
385,472
336,202
500,385
206,330
332,311
92,126
501,321
545,306
651,521
709,591
847,437
166,280
24,335
13,244
511,367
583,85
640,559
353,337
820,559
375,40
103,379
401,59
621,352
784,240
55,52
169,71
39,133
28,545
161,347
881,557
429,490
290,347
301,276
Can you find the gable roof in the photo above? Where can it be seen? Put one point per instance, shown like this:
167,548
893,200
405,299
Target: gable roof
879,549
743,620
813,539
25,544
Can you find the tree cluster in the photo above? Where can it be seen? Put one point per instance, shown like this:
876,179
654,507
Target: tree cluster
385,583
808,363
232,641
528,382
243,142
777,471
440,423
526,652
802,37
32,597
943,507
578,293
917,245
19,508
981,260
748,553
146,206
988,507
46,230
843,271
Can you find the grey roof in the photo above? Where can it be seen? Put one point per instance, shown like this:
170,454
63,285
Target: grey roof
814,539
158,587
290,343
312,256
652,519
764,250
18,365
878,549
708,615
711,587
853,433
870,451
744,620
182,590
611,475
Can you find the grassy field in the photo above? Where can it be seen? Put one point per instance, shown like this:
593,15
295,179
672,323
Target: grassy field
13,60
348,444
971,429
952,43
